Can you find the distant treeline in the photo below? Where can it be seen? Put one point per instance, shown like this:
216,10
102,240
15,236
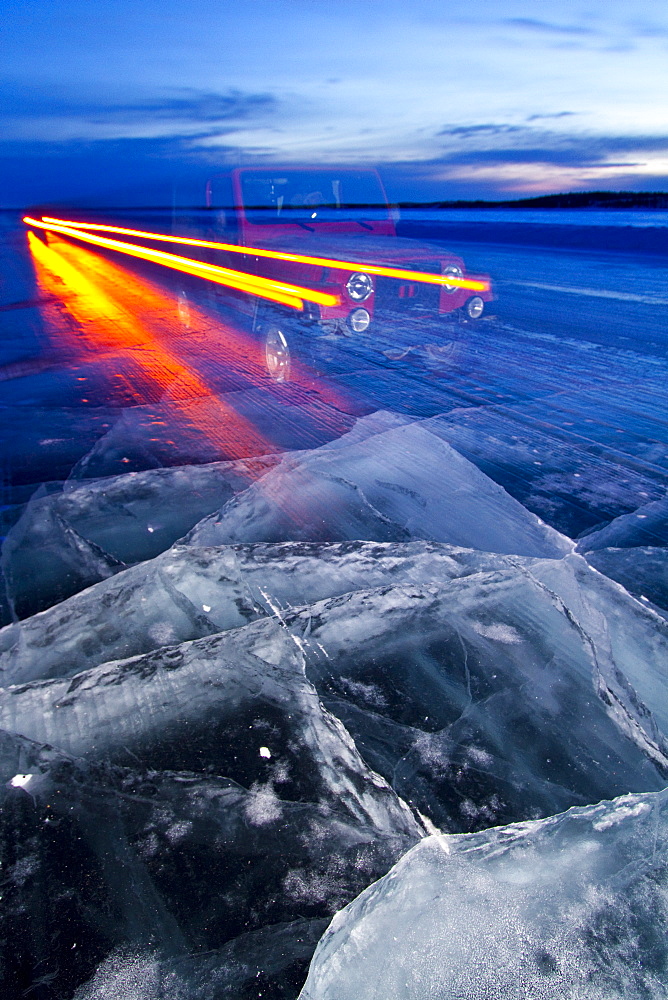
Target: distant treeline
649,200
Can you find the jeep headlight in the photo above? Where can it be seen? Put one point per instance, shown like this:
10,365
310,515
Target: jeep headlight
456,272
359,287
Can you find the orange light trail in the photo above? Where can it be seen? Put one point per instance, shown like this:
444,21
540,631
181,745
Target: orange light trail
472,284
125,325
111,331
286,294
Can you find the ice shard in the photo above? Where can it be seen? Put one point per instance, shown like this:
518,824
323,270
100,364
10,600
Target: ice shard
648,525
214,704
642,570
394,485
67,541
186,799
570,906
460,694
45,560
189,592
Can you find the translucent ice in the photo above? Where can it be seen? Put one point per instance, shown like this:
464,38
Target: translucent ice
67,541
642,570
191,592
574,906
399,484
181,878
648,525
460,694
212,704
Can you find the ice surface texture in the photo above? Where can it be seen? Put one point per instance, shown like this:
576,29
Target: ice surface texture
642,570
574,906
67,541
217,746
198,793
648,525
109,861
461,694
388,479
191,592
458,692
394,484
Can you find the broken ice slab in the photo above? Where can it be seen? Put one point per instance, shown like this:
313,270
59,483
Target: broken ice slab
460,695
457,675
204,879
648,525
630,641
211,705
67,541
642,570
570,906
190,592
392,485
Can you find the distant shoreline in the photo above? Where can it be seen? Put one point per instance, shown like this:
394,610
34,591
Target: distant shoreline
613,200
647,200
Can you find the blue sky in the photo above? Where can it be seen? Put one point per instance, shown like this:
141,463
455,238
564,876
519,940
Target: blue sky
489,99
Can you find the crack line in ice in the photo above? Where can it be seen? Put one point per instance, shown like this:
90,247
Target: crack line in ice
623,717
300,644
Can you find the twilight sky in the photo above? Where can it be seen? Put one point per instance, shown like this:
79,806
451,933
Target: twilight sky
141,99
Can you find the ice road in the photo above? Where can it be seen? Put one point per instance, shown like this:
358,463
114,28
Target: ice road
347,684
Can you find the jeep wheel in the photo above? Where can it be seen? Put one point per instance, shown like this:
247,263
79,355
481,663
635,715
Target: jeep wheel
277,354
474,307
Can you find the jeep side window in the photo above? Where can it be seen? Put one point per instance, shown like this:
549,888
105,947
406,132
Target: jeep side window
291,196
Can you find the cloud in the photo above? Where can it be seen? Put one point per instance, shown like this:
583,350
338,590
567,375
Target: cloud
475,130
496,160
547,27
59,116
648,29
554,114
194,106
524,144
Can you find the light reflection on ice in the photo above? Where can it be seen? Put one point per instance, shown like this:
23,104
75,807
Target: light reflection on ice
21,780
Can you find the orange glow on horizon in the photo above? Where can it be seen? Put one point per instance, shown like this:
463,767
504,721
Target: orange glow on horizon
286,294
388,272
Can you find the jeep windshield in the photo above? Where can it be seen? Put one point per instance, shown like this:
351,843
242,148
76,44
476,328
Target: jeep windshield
306,197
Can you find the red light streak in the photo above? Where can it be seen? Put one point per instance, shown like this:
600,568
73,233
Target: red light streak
286,294
343,265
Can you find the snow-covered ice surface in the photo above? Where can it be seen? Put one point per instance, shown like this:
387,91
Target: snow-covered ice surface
574,906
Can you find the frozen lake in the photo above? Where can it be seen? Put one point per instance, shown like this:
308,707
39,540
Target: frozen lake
266,641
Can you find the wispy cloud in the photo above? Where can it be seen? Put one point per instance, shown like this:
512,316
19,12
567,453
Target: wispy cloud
467,131
33,114
193,106
553,114
548,27
523,143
